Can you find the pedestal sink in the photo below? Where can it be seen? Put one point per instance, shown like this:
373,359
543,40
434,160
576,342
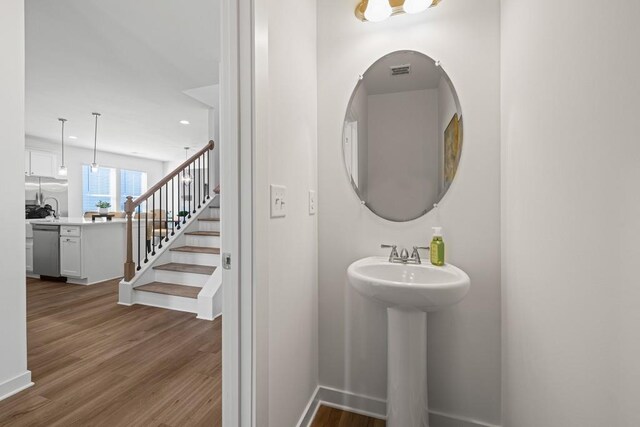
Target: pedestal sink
408,291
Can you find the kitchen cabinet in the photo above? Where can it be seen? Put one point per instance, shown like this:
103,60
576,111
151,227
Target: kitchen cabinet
29,255
89,252
40,163
71,257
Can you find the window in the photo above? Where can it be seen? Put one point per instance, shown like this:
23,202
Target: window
132,183
98,186
111,185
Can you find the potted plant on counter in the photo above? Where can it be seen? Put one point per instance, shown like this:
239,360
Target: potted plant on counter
103,207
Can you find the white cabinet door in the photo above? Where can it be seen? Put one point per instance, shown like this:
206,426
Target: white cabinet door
42,164
70,257
29,254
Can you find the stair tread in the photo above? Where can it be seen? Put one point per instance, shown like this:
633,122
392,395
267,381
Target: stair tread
209,219
203,233
186,268
170,289
197,250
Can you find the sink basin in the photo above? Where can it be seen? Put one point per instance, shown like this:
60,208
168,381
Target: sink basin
422,287
408,291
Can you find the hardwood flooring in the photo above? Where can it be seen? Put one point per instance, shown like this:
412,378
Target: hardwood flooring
95,363
331,417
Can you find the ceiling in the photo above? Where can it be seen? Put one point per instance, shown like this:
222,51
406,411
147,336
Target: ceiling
424,74
131,61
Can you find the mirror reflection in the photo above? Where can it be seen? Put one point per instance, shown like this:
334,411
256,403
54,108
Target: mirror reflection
402,136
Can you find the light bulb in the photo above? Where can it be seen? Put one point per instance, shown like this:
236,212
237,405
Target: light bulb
94,167
62,171
416,6
377,10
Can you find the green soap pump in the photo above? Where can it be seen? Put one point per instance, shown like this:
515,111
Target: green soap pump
437,247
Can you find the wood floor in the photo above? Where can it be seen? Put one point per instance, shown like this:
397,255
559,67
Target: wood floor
331,417
96,363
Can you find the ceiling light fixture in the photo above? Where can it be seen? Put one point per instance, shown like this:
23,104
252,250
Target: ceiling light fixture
380,10
62,170
186,178
94,165
416,6
184,122
377,10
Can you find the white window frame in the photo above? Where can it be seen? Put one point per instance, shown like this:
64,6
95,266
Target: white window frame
115,198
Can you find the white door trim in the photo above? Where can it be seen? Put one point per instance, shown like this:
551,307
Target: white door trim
236,183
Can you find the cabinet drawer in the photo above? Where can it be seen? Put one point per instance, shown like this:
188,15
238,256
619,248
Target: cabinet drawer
72,231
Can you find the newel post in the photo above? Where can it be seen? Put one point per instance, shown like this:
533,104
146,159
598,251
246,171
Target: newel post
129,266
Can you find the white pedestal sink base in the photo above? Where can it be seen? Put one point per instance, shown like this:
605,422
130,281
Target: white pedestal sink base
407,368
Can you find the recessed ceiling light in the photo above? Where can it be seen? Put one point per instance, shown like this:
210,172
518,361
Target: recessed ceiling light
73,137
184,122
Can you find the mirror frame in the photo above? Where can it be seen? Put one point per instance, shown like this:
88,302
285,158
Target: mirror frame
456,98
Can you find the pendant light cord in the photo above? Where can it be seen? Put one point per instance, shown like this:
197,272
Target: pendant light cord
62,139
95,138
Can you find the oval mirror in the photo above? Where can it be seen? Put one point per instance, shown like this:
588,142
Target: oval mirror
402,136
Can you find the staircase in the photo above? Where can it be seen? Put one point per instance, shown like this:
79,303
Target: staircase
180,266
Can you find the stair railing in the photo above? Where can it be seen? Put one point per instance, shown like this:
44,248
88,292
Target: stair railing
185,189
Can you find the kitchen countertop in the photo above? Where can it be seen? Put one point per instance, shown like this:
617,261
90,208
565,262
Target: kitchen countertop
77,221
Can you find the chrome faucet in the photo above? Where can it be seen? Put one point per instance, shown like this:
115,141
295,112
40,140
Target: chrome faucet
56,213
403,257
394,252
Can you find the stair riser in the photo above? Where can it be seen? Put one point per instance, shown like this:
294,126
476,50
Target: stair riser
214,212
209,225
204,241
171,302
195,258
181,278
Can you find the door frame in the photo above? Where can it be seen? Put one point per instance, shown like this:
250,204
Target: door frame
237,207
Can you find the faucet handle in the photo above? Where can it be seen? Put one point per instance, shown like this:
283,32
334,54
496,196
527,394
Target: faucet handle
416,254
394,251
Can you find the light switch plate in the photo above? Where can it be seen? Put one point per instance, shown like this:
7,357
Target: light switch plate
312,202
278,201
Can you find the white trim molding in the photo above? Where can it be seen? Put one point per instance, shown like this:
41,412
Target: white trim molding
376,408
15,385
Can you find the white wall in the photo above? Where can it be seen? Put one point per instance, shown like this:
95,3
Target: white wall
75,157
13,330
464,342
571,168
403,144
286,248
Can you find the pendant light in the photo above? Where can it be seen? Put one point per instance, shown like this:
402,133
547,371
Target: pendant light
94,165
416,6
377,10
186,178
62,170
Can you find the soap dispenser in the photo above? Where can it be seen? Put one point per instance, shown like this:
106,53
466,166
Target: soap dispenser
437,247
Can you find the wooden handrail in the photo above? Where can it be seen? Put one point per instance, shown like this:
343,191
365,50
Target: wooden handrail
168,178
130,206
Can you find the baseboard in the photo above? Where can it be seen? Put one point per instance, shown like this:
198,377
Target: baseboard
376,408
15,385
206,318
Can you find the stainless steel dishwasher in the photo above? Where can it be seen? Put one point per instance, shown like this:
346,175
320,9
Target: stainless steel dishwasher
46,250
